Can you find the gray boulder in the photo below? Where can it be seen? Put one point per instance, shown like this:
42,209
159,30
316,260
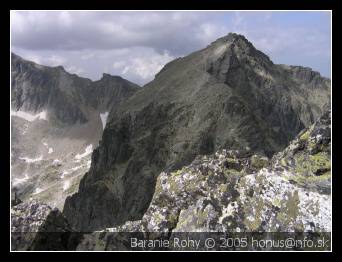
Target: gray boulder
36,226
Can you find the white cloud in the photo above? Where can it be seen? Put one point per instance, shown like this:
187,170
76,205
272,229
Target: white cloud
146,68
55,60
87,56
142,66
106,30
210,32
74,70
34,58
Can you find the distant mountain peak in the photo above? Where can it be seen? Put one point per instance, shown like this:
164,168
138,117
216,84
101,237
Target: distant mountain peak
61,68
36,87
233,38
106,76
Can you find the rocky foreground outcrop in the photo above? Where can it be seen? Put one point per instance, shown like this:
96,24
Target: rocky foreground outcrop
36,226
235,191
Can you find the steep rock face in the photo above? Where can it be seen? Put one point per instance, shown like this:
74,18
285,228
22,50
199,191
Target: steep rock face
57,119
228,95
236,191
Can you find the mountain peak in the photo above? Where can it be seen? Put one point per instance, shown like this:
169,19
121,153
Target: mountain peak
241,45
106,76
60,67
233,38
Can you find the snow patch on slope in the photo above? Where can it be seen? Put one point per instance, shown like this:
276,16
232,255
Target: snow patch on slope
104,117
17,181
66,185
76,168
64,174
28,116
56,162
37,191
87,151
31,160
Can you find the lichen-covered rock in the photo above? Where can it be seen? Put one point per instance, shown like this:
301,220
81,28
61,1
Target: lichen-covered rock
111,238
307,159
213,198
36,226
235,191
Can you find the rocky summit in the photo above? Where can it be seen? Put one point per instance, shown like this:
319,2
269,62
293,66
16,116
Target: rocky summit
227,96
57,119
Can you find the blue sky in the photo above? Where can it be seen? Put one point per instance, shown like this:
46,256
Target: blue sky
136,45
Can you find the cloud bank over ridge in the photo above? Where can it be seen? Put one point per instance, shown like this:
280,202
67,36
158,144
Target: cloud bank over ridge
136,45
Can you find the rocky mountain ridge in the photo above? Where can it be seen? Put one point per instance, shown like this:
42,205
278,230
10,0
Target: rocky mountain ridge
228,95
67,97
57,119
